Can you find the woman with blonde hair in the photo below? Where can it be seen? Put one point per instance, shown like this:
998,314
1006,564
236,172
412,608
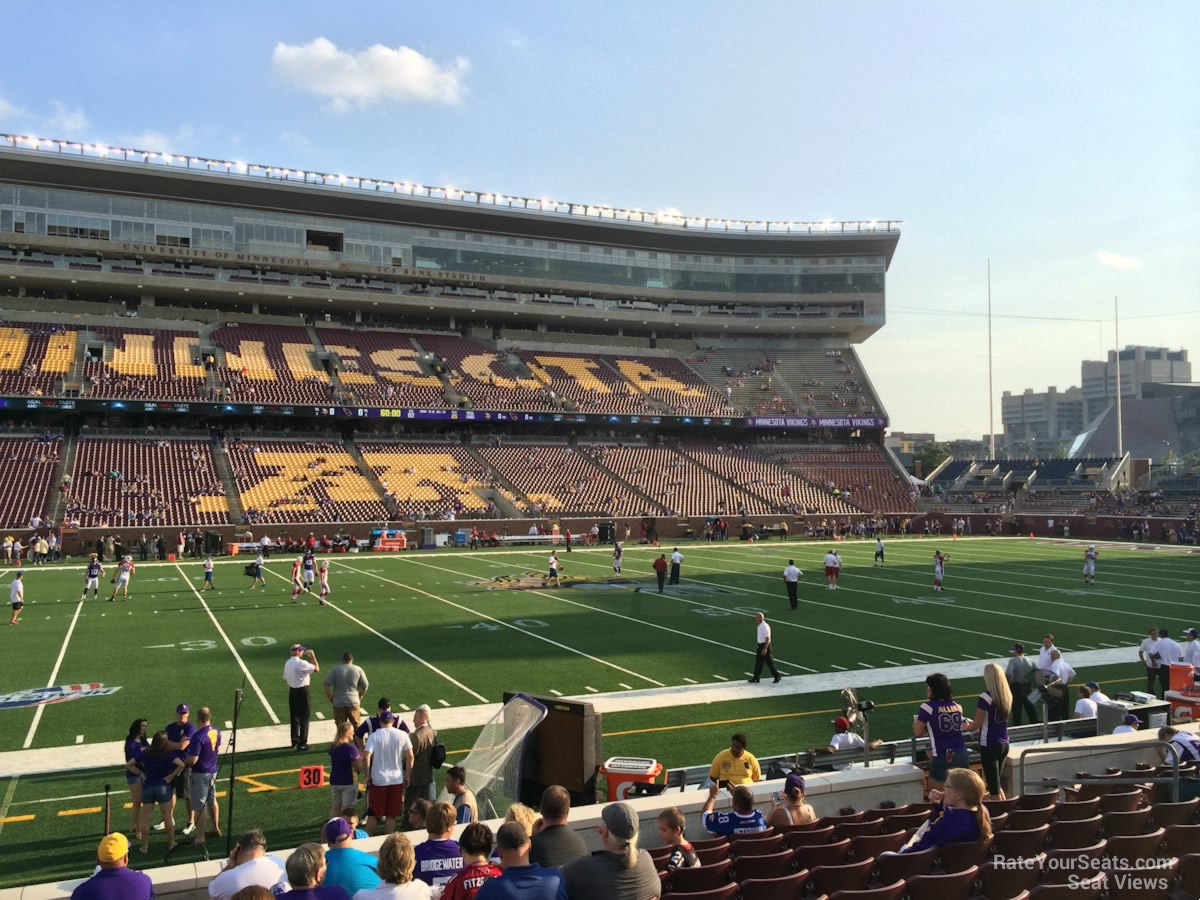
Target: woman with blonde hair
959,813
991,721
396,864
526,815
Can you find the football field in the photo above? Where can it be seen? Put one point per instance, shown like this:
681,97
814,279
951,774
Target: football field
459,628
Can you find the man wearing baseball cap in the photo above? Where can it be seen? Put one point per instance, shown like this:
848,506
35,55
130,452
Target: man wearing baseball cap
1097,695
115,880
843,739
1129,724
622,871
346,865
296,672
179,736
389,762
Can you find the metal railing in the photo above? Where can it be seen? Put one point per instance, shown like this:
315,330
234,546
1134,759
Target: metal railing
441,194
1151,774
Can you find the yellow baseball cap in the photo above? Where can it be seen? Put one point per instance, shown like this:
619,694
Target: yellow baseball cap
113,848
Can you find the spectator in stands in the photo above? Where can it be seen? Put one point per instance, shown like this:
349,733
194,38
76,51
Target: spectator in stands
476,845
248,864
389,760
793,808
424,738
521,879
1019,675
735,765
396,863
554,844
992,711
253,892
462,797
958,814
345,864
622,871
519,812
306,872
344,686
743,819
115,880
439,858
418,812
135,743
940,717
843,739
671,825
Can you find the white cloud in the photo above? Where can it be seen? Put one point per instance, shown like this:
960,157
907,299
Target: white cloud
1117,261
361,79
159,141
67,122
8,110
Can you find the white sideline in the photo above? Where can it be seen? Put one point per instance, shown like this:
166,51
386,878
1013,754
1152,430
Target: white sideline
275,737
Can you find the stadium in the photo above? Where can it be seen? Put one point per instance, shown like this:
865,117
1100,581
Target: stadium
486,418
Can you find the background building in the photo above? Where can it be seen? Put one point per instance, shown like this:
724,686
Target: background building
1140,366
1041,423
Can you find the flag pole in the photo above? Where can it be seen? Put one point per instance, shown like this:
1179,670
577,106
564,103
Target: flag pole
1117,340
991,399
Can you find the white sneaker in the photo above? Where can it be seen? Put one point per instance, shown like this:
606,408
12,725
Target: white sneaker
161,826
190,828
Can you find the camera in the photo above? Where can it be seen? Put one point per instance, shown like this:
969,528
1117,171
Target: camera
866,706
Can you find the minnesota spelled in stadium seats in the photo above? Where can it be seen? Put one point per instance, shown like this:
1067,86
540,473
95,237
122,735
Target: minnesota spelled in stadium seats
485,377
382,368
671,383
155,365
302,481
591,384
150,481
34,358
27,468
271,364
429,479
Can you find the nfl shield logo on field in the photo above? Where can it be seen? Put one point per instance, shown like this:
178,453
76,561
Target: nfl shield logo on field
60,694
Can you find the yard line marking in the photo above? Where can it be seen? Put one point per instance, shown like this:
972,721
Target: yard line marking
555,693
8,798
866,665
416,590
62,652
383,637
79,738
914,659
1110,646
690,680
320,715
26,818
228,643
588,687
1086,647
83,811
626,686
968,656
836,666
403,707
751,674
443,702
892,662
720,678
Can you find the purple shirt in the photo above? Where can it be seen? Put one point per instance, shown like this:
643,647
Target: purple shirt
157,768
371,723
134,746
176,732
949,826
995,728
438,861
204,746
115,884
943,723
341,768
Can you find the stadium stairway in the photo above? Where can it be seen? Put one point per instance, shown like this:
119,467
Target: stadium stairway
369,473
657,404
506,500
324,358
611,473
55,498
221,464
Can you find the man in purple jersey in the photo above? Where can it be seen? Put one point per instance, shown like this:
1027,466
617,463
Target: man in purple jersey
202,782
439,858
179,734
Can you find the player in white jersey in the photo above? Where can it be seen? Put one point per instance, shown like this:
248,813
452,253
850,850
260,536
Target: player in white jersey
323,577
833,568
879,551
16,597
939,568
208,575
555,565
297,583
125,571
1089,564
92,578
617,554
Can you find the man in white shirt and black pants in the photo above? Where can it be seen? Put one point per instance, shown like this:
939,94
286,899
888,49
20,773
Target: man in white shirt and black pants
791,578
676,562
296,672
763,653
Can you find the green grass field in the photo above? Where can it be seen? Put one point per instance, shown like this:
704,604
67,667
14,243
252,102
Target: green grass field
427,633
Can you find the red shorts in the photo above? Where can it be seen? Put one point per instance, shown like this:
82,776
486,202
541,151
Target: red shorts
386,801
831,571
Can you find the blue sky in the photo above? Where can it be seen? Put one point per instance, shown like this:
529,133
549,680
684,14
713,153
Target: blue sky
1062,140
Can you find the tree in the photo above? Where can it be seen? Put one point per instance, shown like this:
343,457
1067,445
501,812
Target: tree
929,457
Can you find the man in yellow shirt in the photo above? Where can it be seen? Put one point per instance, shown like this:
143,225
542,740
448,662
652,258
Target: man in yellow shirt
736,765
